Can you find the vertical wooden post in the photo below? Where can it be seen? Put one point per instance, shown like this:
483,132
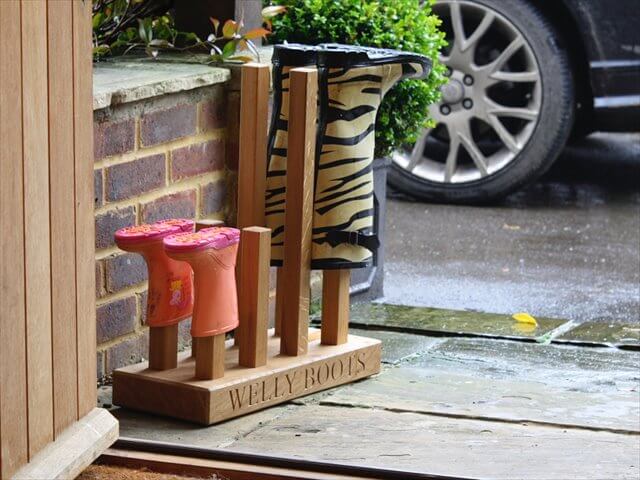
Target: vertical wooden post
279,313
210,357
254,295
252,155
335,306
303,95
252,162
163,347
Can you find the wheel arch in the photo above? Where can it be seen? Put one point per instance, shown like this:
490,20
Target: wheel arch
560,16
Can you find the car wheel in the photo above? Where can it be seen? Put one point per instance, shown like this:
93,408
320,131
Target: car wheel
505,113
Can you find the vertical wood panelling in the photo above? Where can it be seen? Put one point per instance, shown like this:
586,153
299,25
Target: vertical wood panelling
83,145
13,366
62,197
36,213
47,312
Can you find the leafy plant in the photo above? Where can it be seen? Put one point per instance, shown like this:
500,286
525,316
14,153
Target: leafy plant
122,26
401,24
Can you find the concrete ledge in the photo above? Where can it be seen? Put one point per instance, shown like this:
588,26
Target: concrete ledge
75,449
131,79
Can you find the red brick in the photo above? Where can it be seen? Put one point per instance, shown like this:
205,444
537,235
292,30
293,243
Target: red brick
212,114
142,299
123,271
100,371
169,124
129,179
100,288
109,222
197,159
233,127
129,351
214,196
97,188
177,205
115,319
113,138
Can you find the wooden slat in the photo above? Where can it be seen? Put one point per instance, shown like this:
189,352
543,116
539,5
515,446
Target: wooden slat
13,361
83,155
335,306
253,304
252,163
210,357
37,234
252,154
279,309
163,347
298,216
62,198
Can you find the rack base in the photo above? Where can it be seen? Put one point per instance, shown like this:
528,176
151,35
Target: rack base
176,392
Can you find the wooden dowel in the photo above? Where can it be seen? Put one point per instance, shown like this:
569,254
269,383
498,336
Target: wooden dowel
163,347
253,304
279,302
335,306
210,357
194,347
252,154
303,86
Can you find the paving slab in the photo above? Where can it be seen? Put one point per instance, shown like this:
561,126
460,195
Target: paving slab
605,333
437,321
397,347
510,381
446,446
146,426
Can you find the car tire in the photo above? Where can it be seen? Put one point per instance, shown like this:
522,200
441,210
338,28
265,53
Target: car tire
552,129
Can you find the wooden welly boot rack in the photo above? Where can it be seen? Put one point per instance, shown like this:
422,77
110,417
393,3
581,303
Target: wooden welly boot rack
261,367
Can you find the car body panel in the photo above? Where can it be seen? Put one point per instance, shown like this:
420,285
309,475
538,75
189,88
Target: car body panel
610,31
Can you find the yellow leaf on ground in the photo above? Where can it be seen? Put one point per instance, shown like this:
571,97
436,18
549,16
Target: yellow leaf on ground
524,317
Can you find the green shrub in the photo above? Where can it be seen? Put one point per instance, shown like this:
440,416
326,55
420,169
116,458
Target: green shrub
401,24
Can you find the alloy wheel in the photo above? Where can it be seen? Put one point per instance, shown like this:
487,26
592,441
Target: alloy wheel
490,106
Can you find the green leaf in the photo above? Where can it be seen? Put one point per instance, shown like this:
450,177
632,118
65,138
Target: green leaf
216,24
273,10
256,33
142,31
101,50
241,58
97,20
229,49
160,43
229,29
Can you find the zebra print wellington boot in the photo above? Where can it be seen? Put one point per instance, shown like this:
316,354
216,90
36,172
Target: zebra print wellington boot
285,57
352,82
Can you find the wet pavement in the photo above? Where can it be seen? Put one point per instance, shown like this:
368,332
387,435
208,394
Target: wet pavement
567,247
466,390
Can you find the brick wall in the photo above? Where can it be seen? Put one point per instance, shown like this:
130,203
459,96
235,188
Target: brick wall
163,157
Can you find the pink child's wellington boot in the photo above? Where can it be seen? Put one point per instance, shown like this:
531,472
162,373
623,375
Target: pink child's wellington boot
170,293
211,252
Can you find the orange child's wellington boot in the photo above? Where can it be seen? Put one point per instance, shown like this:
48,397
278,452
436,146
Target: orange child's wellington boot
212,253
170,285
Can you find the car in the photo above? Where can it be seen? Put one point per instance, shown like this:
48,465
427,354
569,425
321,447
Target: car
524,76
